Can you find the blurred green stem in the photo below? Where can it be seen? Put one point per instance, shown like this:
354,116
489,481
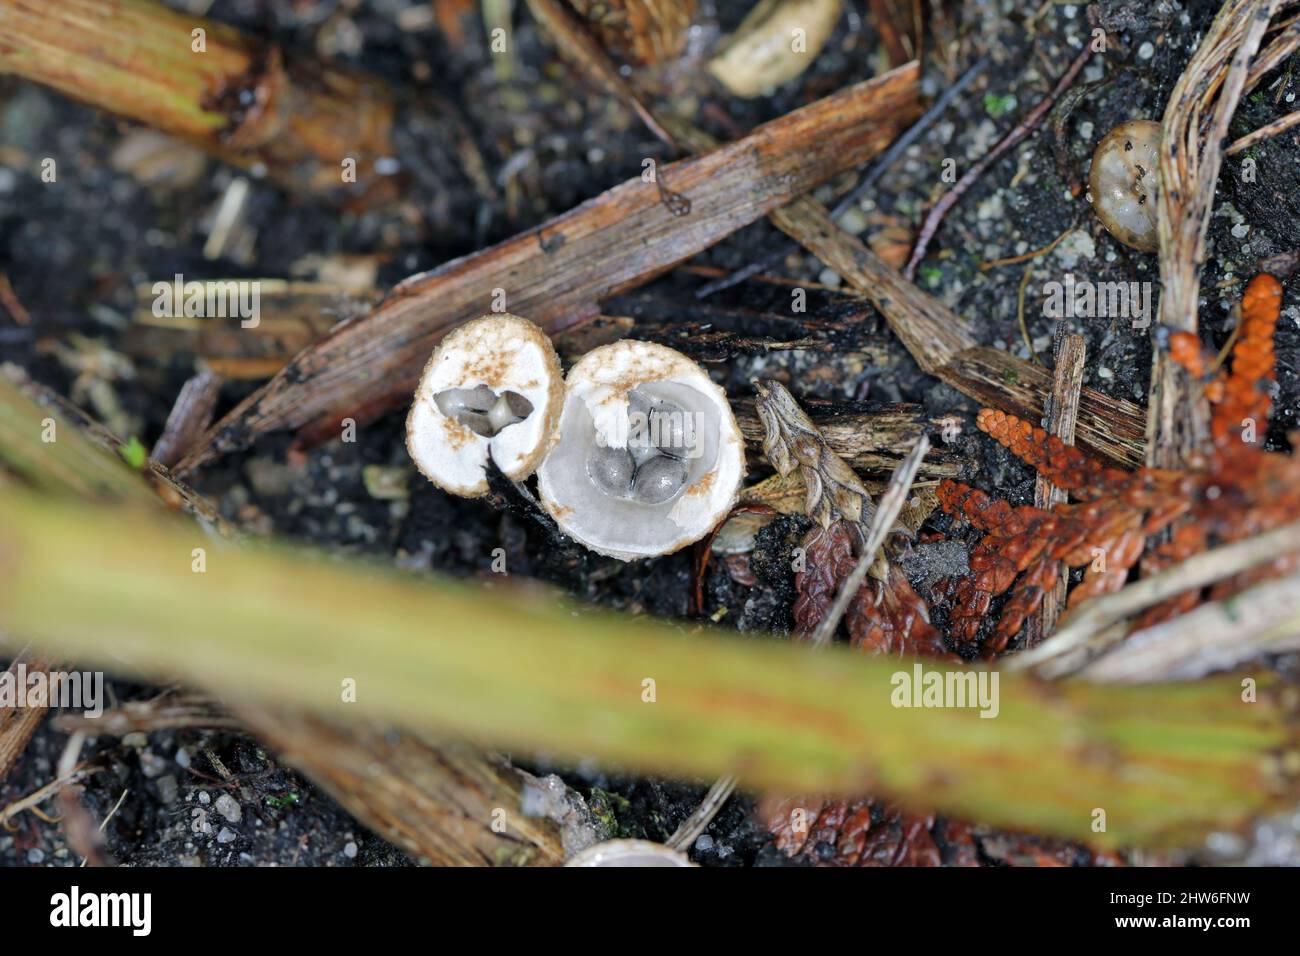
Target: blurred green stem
519,668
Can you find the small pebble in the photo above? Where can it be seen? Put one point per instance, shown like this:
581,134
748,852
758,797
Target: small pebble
1240,230
1146,51
829,277
152,764
204,798
1078,245
227,835
35,855
228,807
705,843
350,850
167,788
853,221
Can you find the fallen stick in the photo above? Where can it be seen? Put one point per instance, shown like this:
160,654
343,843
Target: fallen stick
1193,134
556,274
878,168
944,345
869,441
1214,637
189,418
237,97
1267,131
1110,427
1062,417
18,724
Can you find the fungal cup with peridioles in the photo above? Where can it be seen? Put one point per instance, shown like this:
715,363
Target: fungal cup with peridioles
493,387
649,457
1124,183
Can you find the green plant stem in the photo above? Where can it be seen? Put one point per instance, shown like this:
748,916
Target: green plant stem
41,444
518,668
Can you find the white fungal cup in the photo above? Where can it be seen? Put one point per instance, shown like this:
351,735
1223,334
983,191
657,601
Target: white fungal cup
629,853
649,457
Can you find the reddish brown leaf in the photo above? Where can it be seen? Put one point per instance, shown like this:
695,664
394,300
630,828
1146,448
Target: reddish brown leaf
1240,491
828,560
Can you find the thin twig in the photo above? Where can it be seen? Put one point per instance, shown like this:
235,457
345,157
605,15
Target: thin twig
34,799
1020,314
882,522
878,168
1022,129
1213,637
1279,125
699,821
581,49
1025,257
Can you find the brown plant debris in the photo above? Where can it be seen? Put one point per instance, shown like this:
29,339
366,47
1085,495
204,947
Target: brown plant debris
241,100
642,32
1194,136
871,832
556,274
887,616
1237,491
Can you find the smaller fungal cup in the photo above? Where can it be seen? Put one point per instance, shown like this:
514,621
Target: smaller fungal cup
493,387
629,853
